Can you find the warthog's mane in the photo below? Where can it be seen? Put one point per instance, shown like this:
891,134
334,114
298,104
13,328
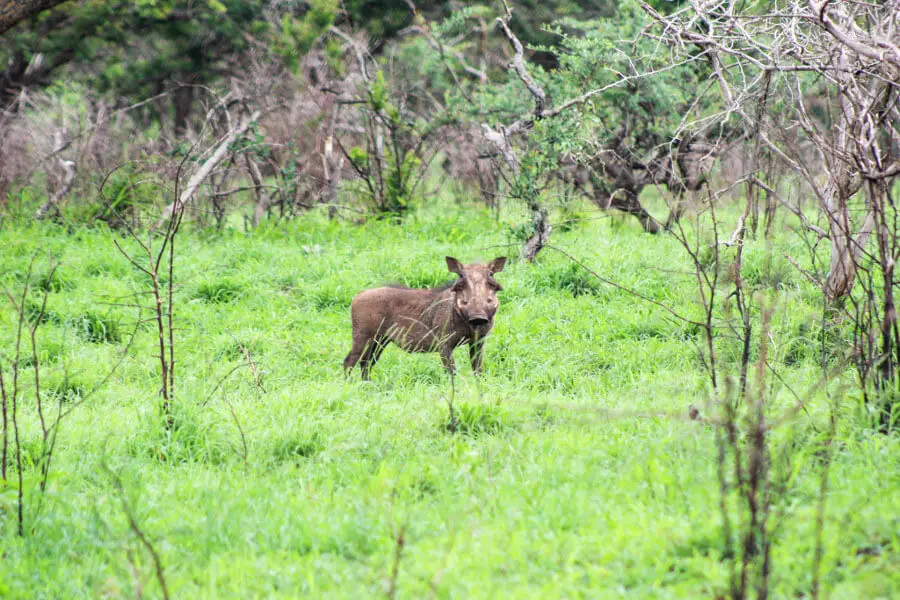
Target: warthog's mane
441,288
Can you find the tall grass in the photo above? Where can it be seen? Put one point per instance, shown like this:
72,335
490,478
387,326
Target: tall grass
574,471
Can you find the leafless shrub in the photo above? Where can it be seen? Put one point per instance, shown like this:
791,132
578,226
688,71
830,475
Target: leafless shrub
835,69
753,474
29,318
258,386
148,260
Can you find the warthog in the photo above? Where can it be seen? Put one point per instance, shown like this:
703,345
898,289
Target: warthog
435,320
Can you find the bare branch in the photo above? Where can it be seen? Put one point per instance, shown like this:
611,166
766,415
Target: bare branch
223,147
518,64
888,52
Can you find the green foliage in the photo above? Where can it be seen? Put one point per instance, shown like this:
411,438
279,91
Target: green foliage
58,282
480,419
137,49
646,109
359,157
97,328
428,278
190,437
392,166
646,97
378,92
573,449
570,278
36,311
218,291
295,449
329,296
297,34
125,193
63,388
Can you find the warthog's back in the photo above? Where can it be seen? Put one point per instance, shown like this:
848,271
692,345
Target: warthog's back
416,320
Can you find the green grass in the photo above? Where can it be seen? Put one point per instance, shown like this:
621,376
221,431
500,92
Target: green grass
572,472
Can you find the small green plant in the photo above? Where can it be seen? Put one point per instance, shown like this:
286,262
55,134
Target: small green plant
480,419
34,312
219,291
67,389
183,436
398,148
125,194
97,328
570,278
331,296
59,282
295,448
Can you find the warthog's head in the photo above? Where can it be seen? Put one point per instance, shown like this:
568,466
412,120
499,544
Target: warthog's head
475,292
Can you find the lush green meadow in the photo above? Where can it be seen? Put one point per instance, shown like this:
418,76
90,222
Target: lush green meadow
575,471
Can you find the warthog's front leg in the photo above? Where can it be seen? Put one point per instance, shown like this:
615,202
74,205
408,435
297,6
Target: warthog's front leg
476,356
447,359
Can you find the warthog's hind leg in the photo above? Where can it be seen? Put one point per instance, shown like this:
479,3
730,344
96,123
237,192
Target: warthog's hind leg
364,353
371,356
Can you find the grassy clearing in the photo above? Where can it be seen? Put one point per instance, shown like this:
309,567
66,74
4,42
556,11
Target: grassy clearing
573,474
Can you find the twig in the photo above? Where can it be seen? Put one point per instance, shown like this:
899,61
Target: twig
239,428
222,148
135,528
400,541
518,64
635,293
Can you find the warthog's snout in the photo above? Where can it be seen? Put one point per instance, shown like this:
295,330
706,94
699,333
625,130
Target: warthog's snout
478,321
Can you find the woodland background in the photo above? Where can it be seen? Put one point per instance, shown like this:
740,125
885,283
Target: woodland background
691,390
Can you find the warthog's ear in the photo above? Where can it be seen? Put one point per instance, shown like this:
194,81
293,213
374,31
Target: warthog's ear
454,265
496,265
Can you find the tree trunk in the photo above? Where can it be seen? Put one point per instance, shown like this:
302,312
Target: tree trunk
4,178
679,205
846,250
844,181
541,234
68,167
182,102
846,246
771,205
14,11
627,201
332,162
264,201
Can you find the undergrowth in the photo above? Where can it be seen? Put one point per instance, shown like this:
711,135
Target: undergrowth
573,471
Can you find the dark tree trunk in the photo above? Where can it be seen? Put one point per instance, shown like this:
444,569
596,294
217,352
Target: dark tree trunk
21,73
13,11
626,200
182,102
541,234
4,182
